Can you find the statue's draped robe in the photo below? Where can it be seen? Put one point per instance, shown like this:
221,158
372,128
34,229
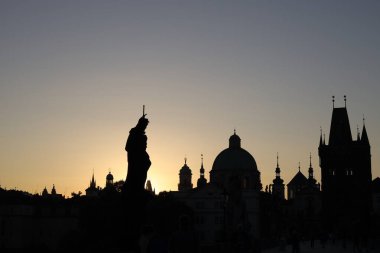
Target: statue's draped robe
138,160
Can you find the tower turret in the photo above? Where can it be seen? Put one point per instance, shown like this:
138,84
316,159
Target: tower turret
109,180
185,178
202,180
364,138
278,187
311,170
53,191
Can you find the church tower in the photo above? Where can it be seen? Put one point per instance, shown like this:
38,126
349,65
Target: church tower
311,181
53,191
109,180
92,190
346,173
201,180
185,178
93,182
278,187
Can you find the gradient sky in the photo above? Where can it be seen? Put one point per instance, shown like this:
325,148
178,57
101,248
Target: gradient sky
75,74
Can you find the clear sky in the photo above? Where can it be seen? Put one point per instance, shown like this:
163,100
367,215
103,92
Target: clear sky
75,74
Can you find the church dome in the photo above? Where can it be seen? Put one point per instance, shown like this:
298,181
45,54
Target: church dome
185,169
234,157
109,176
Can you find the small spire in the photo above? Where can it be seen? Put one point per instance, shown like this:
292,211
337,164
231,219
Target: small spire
53,191
185,160
333,100
320,137
364,138
299,166
358,133
324,139
93,179
310,161
202,170
277,170
311,171
345,101
234,131
277,160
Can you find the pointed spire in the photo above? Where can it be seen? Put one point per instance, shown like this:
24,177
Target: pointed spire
299,166
364,138
202,170
277,160
277,170
311,170
324,139
93,183
201,182
53,191
185,160
320,137
345,101
310,160
358,133
234,131
333,100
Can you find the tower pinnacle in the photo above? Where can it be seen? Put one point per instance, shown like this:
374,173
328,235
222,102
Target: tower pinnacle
310,159
278,170
202,180
364,138
277,159
202,170
311,170
333,100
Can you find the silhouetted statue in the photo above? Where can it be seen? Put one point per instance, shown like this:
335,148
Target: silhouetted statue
138,158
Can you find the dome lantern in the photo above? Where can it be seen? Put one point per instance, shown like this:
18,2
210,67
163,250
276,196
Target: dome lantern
235,141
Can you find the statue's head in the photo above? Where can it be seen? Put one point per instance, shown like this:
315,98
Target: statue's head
143,123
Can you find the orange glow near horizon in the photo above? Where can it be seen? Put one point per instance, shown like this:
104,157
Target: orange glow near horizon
72,88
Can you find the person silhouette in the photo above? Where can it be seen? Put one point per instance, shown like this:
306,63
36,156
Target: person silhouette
138,159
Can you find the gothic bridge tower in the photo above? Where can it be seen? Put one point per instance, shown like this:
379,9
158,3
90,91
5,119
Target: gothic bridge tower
346,174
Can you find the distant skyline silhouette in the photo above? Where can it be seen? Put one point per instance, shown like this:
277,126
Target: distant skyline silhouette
73,77
230,213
